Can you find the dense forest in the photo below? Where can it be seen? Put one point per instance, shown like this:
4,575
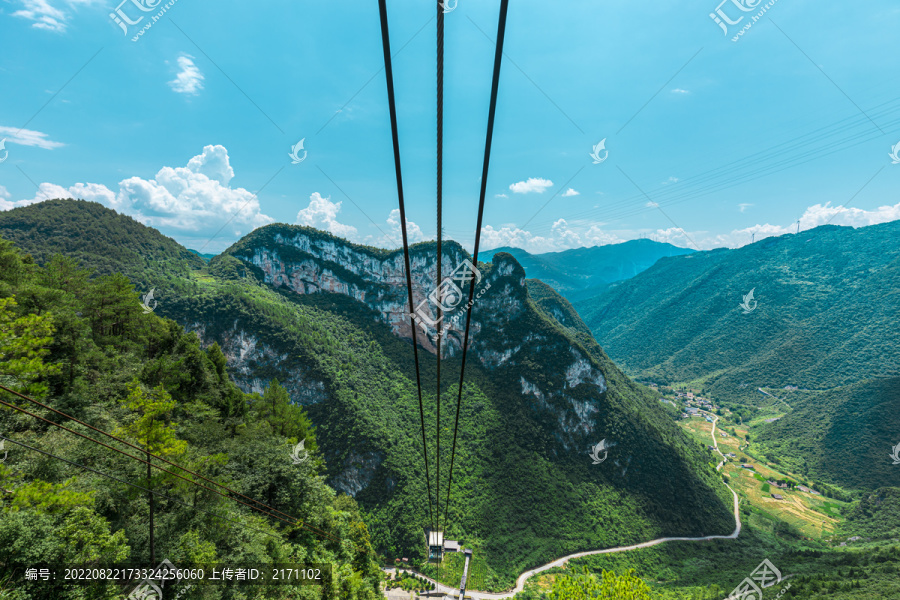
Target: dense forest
85,346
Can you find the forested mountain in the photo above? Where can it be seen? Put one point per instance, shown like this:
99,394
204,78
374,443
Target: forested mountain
582,273
119,245
843,435
822,318
82,344
328,318
824,311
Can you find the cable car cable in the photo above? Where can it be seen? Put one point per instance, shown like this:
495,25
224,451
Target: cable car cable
389,79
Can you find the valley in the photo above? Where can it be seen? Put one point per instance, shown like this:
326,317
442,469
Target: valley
294,334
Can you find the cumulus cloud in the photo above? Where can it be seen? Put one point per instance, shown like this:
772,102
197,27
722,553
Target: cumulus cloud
413,232
27,137
192,202
533,184
571,192
322,214
189,79
194,198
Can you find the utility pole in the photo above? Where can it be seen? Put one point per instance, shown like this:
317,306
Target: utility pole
752,238
798,225
150,493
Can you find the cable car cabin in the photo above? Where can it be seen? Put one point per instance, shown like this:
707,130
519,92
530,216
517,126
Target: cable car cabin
435,545
438,546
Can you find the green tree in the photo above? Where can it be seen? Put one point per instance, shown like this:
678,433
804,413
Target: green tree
152,429
23,346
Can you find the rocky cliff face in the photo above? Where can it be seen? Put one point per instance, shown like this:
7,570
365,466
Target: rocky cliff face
306,261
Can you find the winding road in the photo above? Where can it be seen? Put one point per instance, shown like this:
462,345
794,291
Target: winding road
520,582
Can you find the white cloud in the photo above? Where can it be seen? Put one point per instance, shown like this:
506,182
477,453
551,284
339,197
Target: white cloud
413,232
500,196
744,206
562,237
27,137
189,80
670,180
534,184
45,15
42,15
195,198
571,192
322,214
680,91
192,202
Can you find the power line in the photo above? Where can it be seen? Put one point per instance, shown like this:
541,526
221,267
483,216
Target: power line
134,485
292,521
392,108
677,192
495,84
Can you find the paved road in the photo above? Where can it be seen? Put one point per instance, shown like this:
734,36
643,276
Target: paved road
520,582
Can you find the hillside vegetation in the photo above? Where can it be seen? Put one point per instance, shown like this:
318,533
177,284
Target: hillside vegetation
826,316
524,490
83,345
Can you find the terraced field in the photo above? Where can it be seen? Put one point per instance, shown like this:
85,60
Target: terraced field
813,515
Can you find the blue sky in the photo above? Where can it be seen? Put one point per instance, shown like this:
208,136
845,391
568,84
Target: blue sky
709,140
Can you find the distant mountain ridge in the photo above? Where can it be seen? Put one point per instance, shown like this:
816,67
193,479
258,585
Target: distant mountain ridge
581,273
823,319
827,302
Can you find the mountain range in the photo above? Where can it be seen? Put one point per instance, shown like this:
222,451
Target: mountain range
329,319
821,322
582,273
